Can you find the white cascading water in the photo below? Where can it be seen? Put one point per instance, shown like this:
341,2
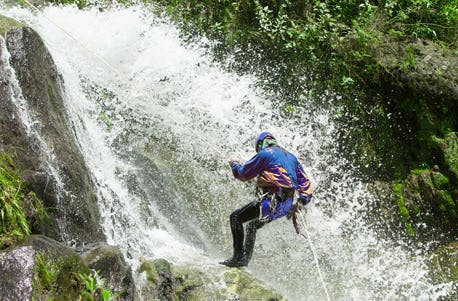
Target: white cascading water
157,121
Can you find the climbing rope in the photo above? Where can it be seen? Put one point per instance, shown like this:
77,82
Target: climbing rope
307,237
75,39
106,63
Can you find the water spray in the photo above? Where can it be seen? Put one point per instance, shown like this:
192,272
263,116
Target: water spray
304,233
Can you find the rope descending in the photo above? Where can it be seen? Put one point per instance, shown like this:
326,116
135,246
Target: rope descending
302,230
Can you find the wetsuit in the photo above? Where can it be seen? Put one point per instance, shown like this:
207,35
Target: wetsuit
279,174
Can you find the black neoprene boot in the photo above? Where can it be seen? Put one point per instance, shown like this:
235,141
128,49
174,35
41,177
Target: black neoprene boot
234,262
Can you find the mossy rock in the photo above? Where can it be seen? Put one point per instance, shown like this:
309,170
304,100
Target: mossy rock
109,263
426,198
449,147
165,281
7,23
244,287
73,201
440,181
194,285
149,269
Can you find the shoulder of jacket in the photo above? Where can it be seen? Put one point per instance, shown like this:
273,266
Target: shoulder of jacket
267,152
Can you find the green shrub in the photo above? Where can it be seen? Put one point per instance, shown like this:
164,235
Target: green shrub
94,288
13,222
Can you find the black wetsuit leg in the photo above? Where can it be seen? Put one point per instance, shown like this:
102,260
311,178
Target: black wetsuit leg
248,212
250,238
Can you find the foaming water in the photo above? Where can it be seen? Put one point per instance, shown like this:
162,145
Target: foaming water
157,121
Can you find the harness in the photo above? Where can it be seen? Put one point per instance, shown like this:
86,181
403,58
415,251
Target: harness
282,195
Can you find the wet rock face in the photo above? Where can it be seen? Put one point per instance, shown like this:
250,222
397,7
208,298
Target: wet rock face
48,141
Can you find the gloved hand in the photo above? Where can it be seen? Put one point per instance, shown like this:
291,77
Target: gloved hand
304,199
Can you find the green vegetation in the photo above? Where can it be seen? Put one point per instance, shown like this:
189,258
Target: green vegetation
14,225
67,279
80,3
94,288
55,278
342,37
403,210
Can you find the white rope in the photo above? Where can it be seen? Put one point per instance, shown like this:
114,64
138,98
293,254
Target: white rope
75,39
307,236
105,62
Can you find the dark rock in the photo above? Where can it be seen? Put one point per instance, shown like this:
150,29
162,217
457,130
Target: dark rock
49,143
110,264
17,269
432,73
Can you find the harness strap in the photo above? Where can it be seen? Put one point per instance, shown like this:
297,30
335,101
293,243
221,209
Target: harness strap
281,196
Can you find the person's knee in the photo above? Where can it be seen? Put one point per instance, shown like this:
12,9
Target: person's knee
234,217
252,225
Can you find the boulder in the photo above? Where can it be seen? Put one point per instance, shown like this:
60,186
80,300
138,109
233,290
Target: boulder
423,68
109,263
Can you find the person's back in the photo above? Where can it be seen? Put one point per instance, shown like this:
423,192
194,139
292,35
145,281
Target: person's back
279,170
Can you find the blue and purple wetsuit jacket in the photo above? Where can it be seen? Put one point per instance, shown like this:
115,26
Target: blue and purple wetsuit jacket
275,167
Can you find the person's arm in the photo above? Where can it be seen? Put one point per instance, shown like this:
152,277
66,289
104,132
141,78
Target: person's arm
251,168
292,214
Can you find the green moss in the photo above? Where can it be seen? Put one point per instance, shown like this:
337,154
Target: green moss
106,120
450,148
446,204
242,286
193,285
419,171
404,212
7,23
149,268
440,181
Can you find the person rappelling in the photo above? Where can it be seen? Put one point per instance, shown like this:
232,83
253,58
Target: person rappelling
280,176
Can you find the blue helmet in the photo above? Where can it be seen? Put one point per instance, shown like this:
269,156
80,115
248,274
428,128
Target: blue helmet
261,138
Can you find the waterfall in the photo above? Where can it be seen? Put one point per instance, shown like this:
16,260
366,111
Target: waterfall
157,121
